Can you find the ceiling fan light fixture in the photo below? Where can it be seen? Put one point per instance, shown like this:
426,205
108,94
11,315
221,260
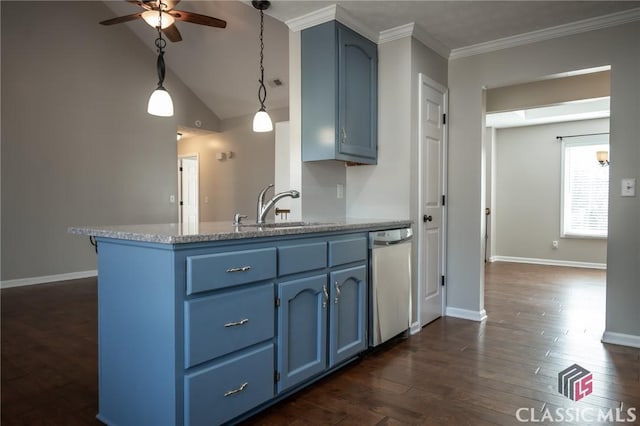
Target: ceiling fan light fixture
154,18
160,103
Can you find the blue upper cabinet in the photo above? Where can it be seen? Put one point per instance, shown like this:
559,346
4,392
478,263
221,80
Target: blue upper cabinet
339,95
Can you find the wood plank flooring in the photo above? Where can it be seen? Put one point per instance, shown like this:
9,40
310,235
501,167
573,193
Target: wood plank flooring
542,319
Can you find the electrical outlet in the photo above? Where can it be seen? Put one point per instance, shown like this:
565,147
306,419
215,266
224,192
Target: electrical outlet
340,190
172,199
554,244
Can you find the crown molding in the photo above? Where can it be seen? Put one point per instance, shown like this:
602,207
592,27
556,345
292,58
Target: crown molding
330,13
414,30
431,42
312,19
396,33
573,28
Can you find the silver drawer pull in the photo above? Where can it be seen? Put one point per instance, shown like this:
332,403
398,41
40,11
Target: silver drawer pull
240,389
240,269
234,324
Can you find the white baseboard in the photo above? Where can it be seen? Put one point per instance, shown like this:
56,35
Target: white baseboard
466,314
47,279
550,262
621,339
415,328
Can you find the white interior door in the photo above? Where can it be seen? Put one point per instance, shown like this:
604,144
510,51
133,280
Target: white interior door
431,246
189,192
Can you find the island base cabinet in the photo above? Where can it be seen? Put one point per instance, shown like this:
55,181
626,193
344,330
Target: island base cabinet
225,390
348,314
302,329
322,322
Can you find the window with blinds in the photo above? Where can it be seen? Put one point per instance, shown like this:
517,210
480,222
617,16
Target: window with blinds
585,194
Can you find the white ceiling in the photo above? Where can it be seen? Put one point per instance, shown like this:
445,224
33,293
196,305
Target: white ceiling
221,65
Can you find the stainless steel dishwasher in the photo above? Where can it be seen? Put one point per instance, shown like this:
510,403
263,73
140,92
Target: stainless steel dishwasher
390,284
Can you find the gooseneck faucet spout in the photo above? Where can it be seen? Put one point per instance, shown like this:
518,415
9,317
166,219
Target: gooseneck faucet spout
263,208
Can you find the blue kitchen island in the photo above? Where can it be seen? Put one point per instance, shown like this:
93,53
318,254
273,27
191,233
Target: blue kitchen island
210,324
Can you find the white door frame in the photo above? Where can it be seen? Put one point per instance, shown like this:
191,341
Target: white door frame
424,79
195,156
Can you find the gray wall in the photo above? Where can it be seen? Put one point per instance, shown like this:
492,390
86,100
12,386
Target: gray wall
232,185
528,185
390,188
78,146
468,77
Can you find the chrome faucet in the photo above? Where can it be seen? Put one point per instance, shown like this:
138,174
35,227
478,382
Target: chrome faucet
263,208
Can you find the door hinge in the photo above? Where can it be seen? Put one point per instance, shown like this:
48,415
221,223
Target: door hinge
443,281
180,168
444,198
277,302
276,377
181,203
444,118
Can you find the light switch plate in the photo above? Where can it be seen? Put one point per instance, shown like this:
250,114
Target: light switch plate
628,187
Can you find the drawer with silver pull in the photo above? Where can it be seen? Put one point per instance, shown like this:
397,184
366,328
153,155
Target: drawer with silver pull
227,389
220,270
220,324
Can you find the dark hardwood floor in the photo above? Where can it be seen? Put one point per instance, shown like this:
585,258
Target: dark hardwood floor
541,320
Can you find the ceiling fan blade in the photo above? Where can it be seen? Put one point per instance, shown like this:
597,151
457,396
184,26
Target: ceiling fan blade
121,19
172,33
196,18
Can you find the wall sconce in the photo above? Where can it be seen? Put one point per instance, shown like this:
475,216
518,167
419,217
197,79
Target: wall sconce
603,158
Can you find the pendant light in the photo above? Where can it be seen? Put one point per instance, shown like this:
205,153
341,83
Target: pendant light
160,102
262,121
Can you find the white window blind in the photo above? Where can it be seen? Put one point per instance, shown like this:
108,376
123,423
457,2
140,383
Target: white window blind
585,195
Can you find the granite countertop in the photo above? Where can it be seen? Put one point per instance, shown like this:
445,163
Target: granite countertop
175,233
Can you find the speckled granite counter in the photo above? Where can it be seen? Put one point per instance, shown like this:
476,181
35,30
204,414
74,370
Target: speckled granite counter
175,233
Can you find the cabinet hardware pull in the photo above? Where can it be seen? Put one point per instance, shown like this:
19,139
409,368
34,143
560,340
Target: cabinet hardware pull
240,269
337,286
344,135
240,389
234,324
325,296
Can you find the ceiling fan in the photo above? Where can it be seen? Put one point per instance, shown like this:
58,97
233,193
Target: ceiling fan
154,9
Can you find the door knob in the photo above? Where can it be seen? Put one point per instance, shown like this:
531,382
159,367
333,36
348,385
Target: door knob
426,218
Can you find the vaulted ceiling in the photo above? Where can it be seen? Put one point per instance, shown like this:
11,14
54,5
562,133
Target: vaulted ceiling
221,65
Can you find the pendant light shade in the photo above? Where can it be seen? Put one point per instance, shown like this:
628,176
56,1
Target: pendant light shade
262,121
160,103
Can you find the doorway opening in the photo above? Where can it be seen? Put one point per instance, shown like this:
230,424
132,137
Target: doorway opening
188,192
546,190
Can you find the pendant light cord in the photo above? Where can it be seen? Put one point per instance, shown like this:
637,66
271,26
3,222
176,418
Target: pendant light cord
262,90
160,45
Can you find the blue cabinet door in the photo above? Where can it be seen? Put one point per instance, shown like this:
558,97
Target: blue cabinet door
339,95
302,329
348,318
358,84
